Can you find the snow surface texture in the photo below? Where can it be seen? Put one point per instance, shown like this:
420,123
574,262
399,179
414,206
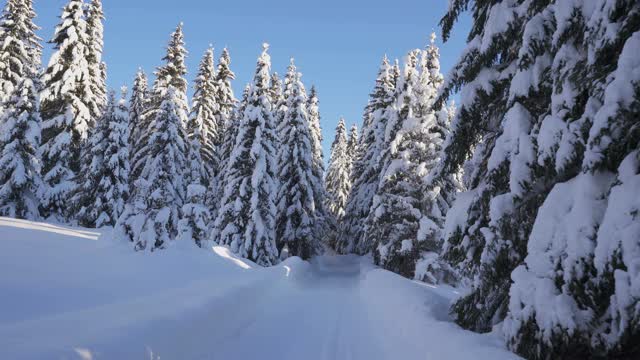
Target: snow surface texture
77,294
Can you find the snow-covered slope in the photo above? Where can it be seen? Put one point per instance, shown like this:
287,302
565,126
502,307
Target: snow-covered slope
77,294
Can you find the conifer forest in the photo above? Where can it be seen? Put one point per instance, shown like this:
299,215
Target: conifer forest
487,212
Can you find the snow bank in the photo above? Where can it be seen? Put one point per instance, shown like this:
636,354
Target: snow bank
415,320
72,293
66,287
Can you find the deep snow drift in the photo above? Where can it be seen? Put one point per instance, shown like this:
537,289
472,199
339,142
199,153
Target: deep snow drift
77,294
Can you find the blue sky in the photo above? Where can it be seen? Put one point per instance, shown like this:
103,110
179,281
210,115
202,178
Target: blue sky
337,45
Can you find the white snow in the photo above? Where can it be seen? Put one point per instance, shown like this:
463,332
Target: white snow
70,293
560,241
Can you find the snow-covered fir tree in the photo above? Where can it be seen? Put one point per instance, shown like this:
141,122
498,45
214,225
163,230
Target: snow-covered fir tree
226,147
440,190
352,146
338,180
194,224
296,213
397,209
203,123
151,220
246,219
104,189
275,89
280,108
65,112
549,106
226,120
366,167
316,131
172,73
225,99
231,127
325,223
449,185
20,50
20,180
139,124
196,170
97,68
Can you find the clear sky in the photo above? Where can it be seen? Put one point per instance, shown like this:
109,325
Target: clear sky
337,45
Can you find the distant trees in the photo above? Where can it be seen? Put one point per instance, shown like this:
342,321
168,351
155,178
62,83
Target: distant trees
366,167
338,180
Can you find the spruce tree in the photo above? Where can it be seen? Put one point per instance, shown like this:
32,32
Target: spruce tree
246,219
66,116
296,216
366,167
406,219
226,103
20,50
352,146
441,191
316,132
139,124
196,172
161,182
20,47
275,89
97,69
231,127
194,224
326,225
164,172
491,239
203,123
104,189
280,108
225,98
338,181
34,42
20,179
554,141
226,147
396,212
226,120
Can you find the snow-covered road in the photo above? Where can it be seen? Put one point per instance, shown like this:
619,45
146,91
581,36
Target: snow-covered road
318,315
68,296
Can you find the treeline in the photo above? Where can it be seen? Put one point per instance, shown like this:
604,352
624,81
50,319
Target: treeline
528,193
245,173
390,205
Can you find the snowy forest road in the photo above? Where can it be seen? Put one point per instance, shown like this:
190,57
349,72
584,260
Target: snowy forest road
327,309
74,294
313,315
